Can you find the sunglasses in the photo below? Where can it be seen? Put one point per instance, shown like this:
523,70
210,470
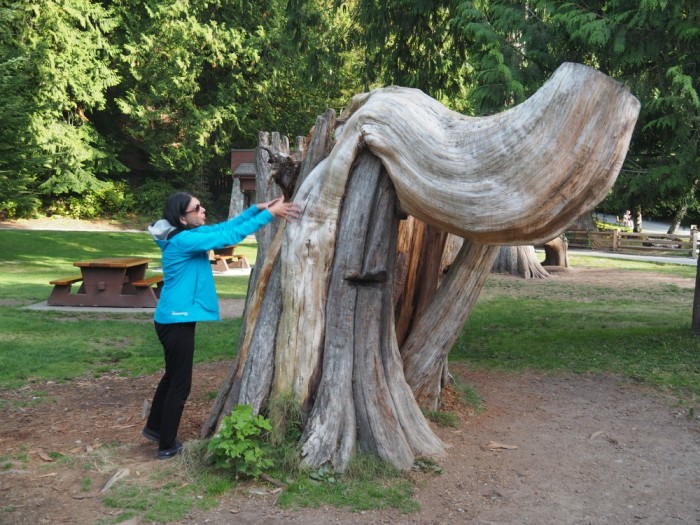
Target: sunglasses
195,210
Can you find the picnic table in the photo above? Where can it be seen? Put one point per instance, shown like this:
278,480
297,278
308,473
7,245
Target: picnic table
109,281
223,259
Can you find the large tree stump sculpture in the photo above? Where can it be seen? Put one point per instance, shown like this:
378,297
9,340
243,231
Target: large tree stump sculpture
328,339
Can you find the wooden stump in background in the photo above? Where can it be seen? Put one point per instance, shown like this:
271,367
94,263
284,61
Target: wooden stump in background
520,261
556,252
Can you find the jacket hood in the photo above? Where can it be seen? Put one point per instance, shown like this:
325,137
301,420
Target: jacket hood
160,230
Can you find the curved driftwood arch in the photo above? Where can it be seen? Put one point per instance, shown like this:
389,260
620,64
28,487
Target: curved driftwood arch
319,325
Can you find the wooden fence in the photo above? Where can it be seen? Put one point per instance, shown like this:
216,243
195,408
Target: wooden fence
682,244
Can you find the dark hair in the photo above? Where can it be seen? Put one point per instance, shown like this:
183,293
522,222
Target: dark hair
175,207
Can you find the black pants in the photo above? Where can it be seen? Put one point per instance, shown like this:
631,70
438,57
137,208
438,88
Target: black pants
174,387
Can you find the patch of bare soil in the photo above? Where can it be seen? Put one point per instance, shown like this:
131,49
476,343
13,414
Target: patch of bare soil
547,450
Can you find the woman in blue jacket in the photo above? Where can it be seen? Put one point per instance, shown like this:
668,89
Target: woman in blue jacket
189,295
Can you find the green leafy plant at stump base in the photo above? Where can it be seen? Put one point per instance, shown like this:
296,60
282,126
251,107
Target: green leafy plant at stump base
237,444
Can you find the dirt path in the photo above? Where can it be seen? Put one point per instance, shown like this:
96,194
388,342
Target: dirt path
590,449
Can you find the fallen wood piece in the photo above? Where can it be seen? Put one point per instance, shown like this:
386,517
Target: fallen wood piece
495,445
274,481
44,456
121,473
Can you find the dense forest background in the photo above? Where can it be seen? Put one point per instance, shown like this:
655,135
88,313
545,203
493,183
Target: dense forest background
107,106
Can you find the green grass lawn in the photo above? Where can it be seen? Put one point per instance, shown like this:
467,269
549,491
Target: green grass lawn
640,330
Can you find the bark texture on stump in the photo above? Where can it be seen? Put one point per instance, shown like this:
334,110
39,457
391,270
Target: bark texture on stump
328,339
418,271
250,378
363,384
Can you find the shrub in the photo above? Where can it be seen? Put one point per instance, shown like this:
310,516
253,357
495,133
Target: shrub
238,444
150,197
117,199
114,198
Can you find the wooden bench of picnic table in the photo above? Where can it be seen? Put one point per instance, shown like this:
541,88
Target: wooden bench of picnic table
223,259
67,281
150,281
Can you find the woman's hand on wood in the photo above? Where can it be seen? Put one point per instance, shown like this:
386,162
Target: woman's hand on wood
279,208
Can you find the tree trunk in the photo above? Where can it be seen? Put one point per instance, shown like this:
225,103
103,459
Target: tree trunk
676,220
424,257
426,349
250,378
638,227
360,353
319,325
254,388
520,261
679,214
556,252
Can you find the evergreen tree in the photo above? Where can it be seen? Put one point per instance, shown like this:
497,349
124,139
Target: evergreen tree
167,87
202,77
187,68
652,46
55,60
317,65
17,162
414,44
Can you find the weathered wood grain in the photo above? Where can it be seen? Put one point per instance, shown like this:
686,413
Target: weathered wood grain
362,384
516,177
556,252
423,245
249,380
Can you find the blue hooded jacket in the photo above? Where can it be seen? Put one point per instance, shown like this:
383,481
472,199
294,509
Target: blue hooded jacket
189,293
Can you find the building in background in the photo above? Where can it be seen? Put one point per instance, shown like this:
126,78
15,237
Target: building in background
243,188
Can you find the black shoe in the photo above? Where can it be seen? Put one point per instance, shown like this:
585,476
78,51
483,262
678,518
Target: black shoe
171,452
150,434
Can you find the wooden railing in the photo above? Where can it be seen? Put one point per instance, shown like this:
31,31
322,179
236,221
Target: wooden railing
684,244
